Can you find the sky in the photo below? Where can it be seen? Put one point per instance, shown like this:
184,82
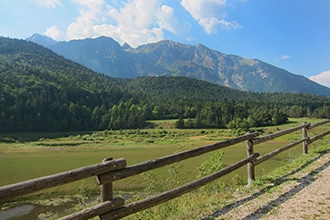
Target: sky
290,34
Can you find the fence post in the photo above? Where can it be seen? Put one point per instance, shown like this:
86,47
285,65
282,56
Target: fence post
106,189
304,135
250,166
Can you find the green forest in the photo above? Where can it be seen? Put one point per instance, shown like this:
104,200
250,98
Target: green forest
43,92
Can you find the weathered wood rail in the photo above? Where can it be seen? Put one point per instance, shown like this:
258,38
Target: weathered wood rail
110,170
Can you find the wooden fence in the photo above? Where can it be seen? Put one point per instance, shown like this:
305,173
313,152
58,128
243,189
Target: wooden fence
111,170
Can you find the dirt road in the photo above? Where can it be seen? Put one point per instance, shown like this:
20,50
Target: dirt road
302,194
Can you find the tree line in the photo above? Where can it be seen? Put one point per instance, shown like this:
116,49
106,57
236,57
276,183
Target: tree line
41,91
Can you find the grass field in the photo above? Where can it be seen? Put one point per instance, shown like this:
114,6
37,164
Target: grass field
26,156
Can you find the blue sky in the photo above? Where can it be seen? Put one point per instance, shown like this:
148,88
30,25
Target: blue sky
290,34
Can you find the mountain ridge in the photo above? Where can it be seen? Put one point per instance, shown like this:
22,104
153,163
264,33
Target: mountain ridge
42,91
41,40
170,58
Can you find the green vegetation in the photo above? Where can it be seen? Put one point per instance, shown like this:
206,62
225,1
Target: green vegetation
198,104
203,202
90,116
40,91
39,157
43,92
32,156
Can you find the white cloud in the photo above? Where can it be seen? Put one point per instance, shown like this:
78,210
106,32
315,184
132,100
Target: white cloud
167,19
134,21
137,21
200,9
83,26
285,57
322,78
210,14
54,33
49,3
91,4
210,25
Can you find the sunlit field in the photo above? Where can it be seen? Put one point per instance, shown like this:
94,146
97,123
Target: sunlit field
26,156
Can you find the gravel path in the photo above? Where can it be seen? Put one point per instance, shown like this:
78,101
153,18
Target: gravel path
302,194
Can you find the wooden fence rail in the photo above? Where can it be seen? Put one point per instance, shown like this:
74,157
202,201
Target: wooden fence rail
171,194
163,161
35,185
112,170
305,141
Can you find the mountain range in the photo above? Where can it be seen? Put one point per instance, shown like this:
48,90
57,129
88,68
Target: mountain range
42,91
169,58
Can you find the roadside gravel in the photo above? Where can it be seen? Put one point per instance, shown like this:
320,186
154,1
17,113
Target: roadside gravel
301,194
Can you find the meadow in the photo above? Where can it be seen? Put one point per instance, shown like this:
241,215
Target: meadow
30,155
26,156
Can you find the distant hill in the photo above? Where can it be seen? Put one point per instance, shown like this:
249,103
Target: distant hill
184,88
169,58
41,91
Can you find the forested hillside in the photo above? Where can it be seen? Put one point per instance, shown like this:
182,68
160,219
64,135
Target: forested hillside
41,91
183,88
204,104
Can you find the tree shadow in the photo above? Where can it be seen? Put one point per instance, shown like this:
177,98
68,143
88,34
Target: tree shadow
305,181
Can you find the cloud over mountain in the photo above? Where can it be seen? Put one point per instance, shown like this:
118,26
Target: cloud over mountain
210,14
134,21
266,30
322,78
137,22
